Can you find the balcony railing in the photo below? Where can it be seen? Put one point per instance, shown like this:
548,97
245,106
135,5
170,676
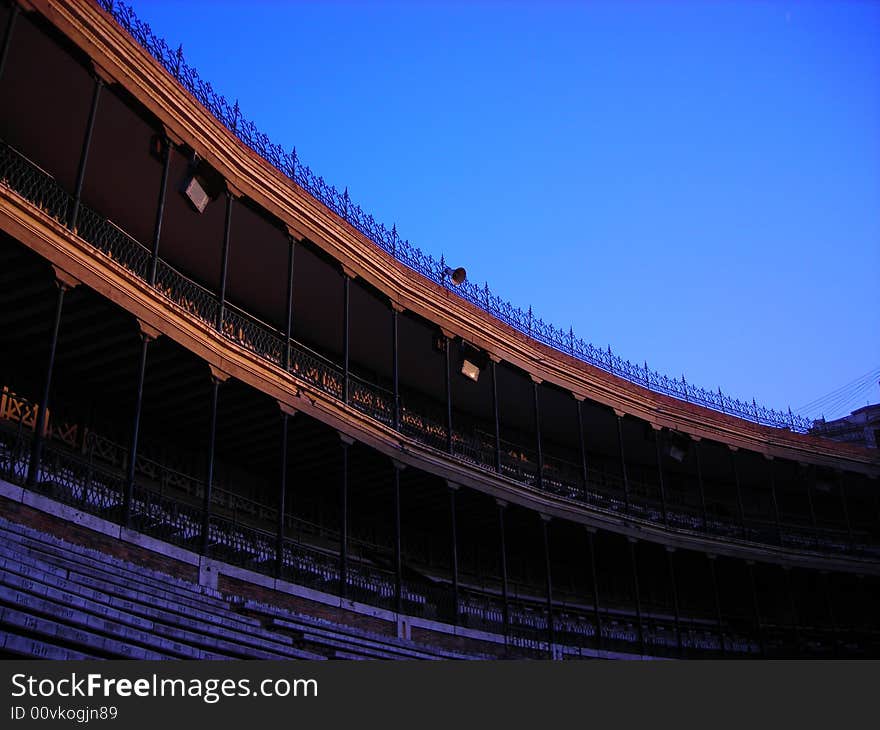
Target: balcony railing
388,239
72,479
419,418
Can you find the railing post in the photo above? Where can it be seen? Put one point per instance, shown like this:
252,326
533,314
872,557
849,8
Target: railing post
657,436
714,580
496,415
635,576
345,442
670,552
146,338
582,447
545,526
282,497
395,365
453,488
41,421
505,609
773,499
620,448
398,559
7,37
160,210
539,477
209,477
591,531
224,261
84,156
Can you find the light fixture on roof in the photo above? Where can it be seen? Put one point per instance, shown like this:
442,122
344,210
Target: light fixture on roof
456,276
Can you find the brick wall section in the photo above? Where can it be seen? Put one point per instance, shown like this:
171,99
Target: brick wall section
305,606
17,512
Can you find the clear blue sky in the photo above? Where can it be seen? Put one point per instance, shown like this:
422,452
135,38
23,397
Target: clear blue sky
695,184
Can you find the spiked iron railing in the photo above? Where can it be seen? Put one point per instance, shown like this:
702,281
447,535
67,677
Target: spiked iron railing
388,239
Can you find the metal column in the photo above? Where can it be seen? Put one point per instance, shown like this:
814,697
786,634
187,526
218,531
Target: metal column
209,479
84,157
160,210
41,421
135,431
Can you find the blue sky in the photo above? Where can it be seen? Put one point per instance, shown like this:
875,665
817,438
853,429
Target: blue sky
695,184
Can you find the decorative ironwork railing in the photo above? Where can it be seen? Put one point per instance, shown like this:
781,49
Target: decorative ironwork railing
112,241
72,479
388,239
419,417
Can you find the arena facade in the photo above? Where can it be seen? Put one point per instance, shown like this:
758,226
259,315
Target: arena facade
240,418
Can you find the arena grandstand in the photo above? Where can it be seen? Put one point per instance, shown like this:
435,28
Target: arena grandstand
239,418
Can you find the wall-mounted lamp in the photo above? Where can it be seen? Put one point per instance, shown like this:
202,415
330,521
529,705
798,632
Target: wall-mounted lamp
197,194
473,361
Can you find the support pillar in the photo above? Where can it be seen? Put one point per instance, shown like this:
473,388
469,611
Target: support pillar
657,436
539,476
795,621
288,319
845,507
496,416
346,334
750,564
224,261
739,503
282,497
395,365
41,422
717,602
582,447
591,531
146,338
704,514
209,477
398,561
7,37
545,526
505,610
453,488
829,606
345,443
448,374
635,575
160,210
774,499
84,156
670,552
622,461
810,482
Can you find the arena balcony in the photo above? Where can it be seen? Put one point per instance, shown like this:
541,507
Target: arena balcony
197,348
